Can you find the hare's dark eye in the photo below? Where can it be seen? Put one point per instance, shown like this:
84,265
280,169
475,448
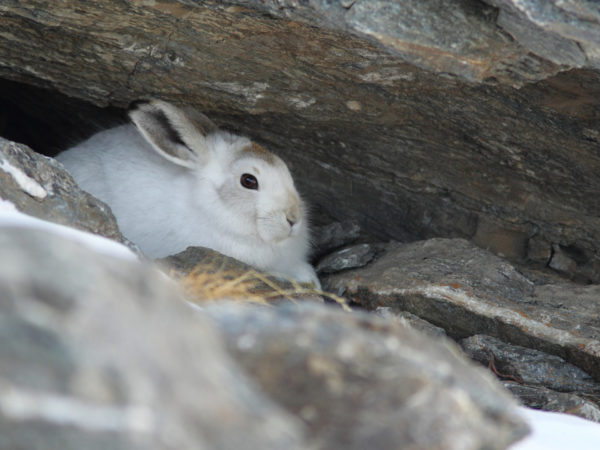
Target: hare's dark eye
249,181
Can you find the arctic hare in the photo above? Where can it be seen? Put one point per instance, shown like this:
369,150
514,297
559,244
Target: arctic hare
173,180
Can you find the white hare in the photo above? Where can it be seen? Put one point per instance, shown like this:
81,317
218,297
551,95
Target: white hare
173,180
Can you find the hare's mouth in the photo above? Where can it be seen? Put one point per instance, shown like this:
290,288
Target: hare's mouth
276,229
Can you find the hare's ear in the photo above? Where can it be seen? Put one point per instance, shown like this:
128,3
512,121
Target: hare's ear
178,135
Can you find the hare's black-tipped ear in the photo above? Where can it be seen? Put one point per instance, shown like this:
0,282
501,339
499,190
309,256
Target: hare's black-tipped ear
176,134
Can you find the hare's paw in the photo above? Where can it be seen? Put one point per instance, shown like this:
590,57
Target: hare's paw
305,273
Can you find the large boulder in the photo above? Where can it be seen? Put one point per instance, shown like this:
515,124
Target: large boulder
359,381
102,352
99,352
41,187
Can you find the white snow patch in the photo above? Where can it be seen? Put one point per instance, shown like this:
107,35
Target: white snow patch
11,217
558,431
26,183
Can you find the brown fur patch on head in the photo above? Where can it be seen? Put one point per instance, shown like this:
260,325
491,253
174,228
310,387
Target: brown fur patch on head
256,150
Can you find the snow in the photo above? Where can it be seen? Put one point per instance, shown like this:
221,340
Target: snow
11,217
26,183
558,431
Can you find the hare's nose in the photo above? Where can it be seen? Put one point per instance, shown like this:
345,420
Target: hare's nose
292,216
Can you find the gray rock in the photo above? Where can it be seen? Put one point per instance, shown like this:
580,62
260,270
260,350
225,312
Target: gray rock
454,38
98,353
467,291
186,261
538,397
529,366
359,382
245,282
572,26
334,235
41,187
539,251
561,261
414,321
548,45
347,258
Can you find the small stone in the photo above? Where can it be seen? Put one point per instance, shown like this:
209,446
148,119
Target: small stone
335,235
529,366
561,261
353,105
347,258
539,397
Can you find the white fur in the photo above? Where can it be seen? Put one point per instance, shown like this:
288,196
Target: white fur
164,206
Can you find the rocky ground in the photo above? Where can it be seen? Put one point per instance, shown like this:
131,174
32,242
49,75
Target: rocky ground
449,151
536,331
102,352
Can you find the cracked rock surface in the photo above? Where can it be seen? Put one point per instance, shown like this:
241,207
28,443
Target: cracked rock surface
468,291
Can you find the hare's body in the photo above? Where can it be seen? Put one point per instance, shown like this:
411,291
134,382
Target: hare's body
196,189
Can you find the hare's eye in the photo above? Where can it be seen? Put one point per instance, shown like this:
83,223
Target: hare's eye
249,181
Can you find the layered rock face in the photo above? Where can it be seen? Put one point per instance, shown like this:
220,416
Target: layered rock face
417,119
449,150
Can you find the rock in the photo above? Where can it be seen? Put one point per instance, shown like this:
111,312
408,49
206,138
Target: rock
539,251
186,261
437,36
529,366
41,187
535,38
98,352
407,318
565,32
467,291
538,397
333,236
379,107
208,275
359,381
561,261
508,243
101,352
347,258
